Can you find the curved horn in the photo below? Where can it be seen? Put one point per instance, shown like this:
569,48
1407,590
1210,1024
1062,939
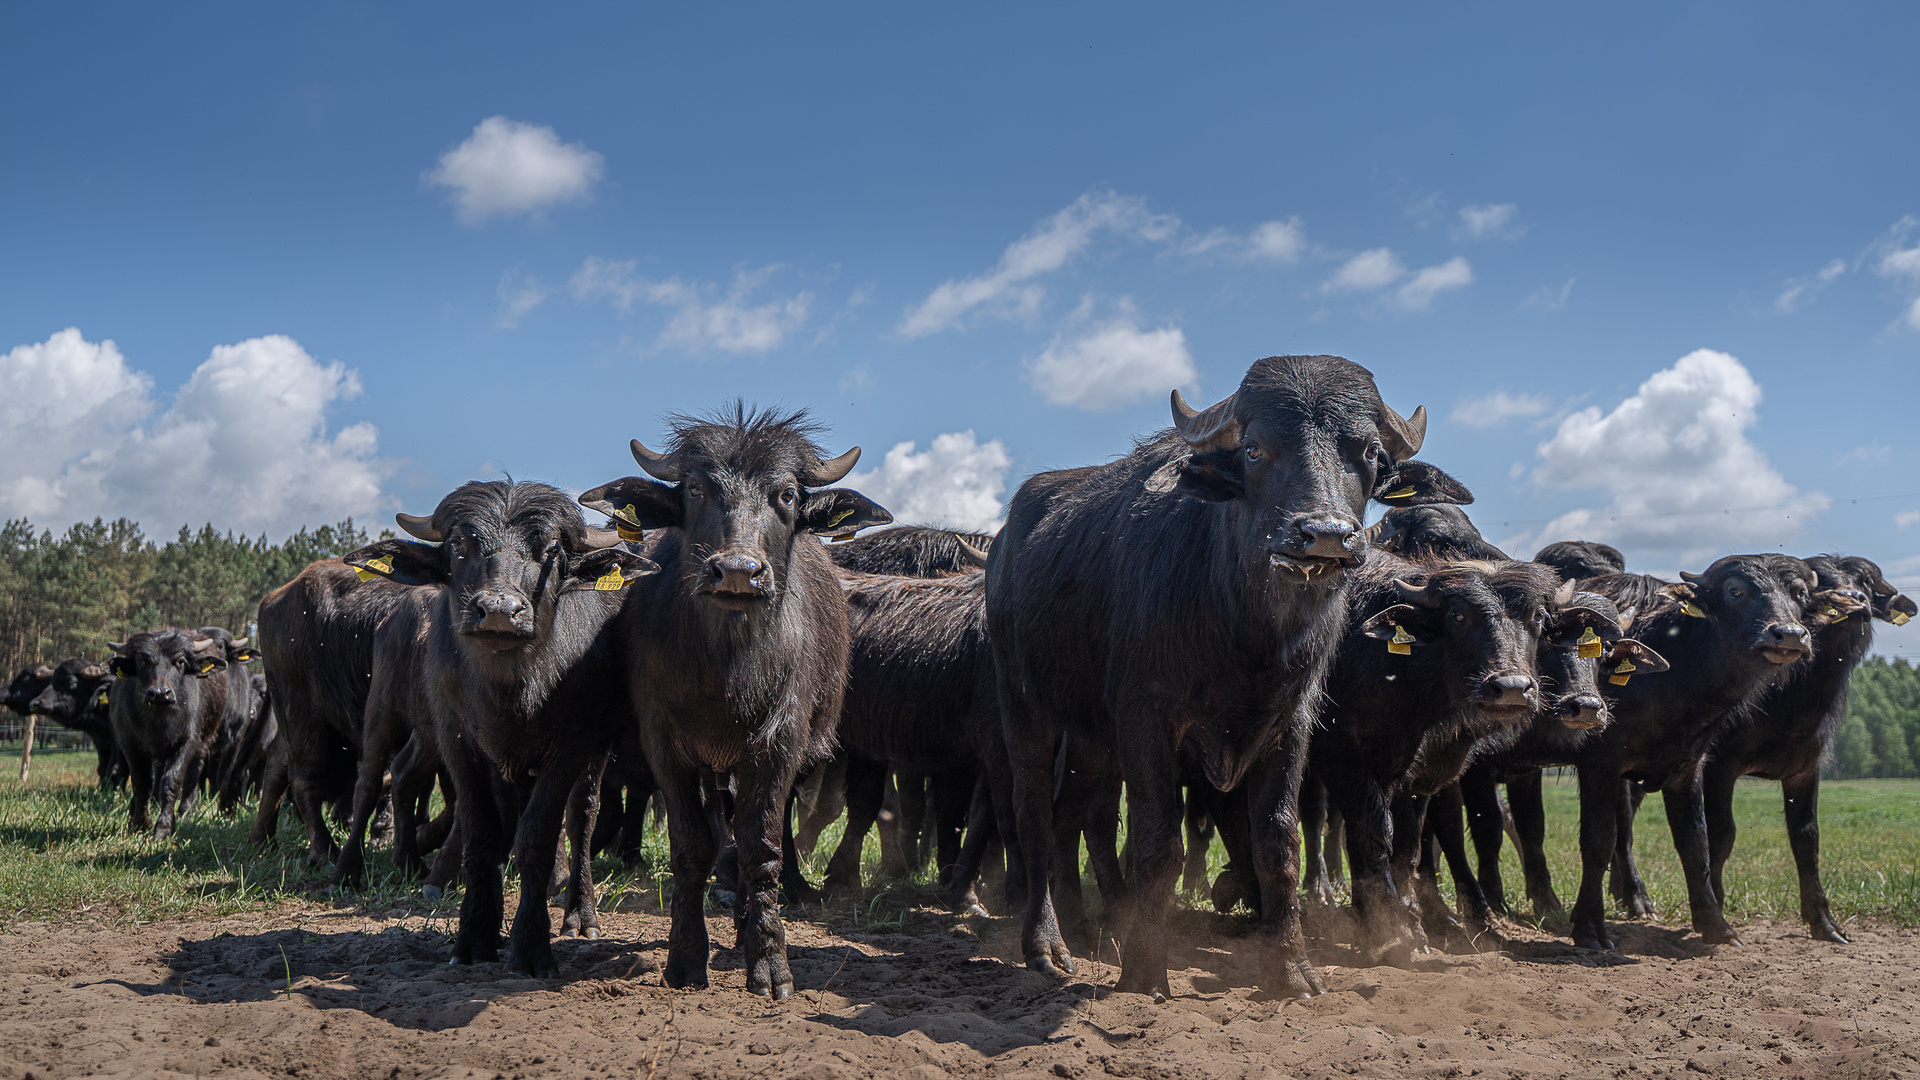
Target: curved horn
828,472
1627,617
1417,595
420,528
118,646
600,538
1563,595
1211,428
971,555
1692,578
664,467
240,642
1403,436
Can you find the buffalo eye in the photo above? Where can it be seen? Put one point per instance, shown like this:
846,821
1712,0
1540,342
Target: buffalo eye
787,497
1735,592
1459,617
1254,453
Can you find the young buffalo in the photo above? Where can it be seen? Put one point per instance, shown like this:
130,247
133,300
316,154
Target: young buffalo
168,696
522,685
1792,729
75,696
1731,634
737,651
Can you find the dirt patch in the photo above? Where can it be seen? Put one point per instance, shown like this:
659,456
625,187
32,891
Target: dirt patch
322,992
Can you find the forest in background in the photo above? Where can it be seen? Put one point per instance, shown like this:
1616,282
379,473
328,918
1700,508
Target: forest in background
69,595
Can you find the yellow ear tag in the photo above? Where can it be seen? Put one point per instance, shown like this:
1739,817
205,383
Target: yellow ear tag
1590,644
1690,608
1899,618
1403,493
839,517
206,666
1831,613
1622,673
1402,643
383,565
611,581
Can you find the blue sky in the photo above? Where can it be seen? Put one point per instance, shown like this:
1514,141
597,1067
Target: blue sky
348,257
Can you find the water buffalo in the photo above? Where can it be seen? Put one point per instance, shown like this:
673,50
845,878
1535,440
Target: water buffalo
736,651
1786,737
920,551
234,718
522,682
1577,559
316,633
168,697
75,696
1186,598
1731,634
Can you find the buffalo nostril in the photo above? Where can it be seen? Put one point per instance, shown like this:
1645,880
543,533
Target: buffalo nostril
1509,689
1785,633
1328,539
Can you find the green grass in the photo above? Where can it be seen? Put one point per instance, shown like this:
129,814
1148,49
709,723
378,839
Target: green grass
65,852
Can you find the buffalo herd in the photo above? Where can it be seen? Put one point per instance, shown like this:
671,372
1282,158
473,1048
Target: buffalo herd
1205,624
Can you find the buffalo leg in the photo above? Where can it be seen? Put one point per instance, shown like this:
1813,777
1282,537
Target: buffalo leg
1409,850
413,780
1686,817
1199,837
1030,749
1526,797
759,831
1103,841
1480,797
1075,796
1444,822
866,792
693,846
1717,789
581,918
529,950
484,847
167,791
273,789
1313,821
140,769
376,751
1273,796
1601,793
952,798
1629,889
1153,863
981,831
1802,796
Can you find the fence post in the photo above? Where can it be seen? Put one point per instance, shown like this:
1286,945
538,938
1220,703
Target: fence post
26,748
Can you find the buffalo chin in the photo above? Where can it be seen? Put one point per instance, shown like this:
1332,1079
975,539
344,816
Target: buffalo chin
499,641
1782,657
1308,570
736,601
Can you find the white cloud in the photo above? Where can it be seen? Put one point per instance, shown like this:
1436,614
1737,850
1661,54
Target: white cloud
1549,298
730,323
1900,263
1801,289
1495,409
1365,272
958,482
1685,479
507,167
1481,222
1905,518
1112,364
1281,242
1418,293
1007,291
519,294
244,444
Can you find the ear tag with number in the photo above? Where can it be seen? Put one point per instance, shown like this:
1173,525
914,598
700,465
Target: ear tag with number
1404,493
621,523
1402,642
839,517
611,581
1590,645
1688,607
1623,672
1899,618
379,567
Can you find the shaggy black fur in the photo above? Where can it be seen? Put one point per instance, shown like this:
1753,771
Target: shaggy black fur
168,696
1576,560
920,551
75,696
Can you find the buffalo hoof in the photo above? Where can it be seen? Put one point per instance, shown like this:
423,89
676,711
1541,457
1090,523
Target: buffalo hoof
1293,978
534,963
1229,892
685,976
1715,931
1823,928
430,892
1154,986
1639,906
1054,960
580,924
1592,937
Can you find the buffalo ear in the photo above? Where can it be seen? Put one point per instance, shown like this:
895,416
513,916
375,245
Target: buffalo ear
1213,476
245,654
1897,609
1647,661
94,671
1382,625
636,504
838,512
121,667
404,562
607,570
1416,483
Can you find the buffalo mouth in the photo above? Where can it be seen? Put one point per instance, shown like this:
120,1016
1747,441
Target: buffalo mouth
498,640
1308,569
1781,657
735,599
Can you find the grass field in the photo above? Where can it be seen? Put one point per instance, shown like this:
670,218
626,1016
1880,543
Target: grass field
65,852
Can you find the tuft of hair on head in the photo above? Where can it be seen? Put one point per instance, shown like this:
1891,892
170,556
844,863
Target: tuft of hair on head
739,434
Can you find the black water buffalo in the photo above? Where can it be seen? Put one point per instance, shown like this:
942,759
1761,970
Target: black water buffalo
398,707
1574,560
168,697
736,652
1730,634
26,686
246,767
524,691
913,551
1188,596
1442,531
239,712
316,633
76,697
1786,737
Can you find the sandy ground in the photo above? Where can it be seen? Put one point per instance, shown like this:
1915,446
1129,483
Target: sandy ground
373,997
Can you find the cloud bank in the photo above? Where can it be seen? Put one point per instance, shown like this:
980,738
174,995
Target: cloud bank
957,482
1680,468
506,168
1113,363
244,444
703,317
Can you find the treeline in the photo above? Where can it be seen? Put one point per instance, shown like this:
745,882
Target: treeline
69,595
1881,735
